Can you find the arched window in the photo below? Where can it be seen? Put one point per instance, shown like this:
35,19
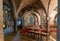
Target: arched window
8,16
56,20
19,21
31,20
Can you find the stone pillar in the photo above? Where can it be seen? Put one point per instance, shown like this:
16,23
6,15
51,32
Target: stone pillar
1,21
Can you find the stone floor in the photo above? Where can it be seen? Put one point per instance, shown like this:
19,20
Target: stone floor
22,37
18,37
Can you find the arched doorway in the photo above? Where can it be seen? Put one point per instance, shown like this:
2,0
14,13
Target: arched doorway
8,21
55,20
32,18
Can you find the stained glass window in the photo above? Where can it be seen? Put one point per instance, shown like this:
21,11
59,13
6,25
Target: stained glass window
31,20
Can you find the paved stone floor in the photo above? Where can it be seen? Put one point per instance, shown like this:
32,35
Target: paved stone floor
20,37
17,37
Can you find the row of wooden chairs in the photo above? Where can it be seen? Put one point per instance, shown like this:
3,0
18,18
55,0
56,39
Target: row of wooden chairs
36,34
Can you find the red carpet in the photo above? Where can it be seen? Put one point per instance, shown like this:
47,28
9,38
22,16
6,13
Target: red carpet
40,30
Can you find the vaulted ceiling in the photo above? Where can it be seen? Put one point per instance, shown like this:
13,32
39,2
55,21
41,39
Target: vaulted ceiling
18,5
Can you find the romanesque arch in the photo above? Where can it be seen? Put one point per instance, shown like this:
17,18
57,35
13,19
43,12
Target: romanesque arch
35,15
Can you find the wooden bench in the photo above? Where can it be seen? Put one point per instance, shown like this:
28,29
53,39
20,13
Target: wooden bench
36,32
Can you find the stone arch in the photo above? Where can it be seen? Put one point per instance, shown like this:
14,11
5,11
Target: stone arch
34,13
53,16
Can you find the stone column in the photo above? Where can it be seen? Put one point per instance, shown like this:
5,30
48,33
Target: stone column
1,21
